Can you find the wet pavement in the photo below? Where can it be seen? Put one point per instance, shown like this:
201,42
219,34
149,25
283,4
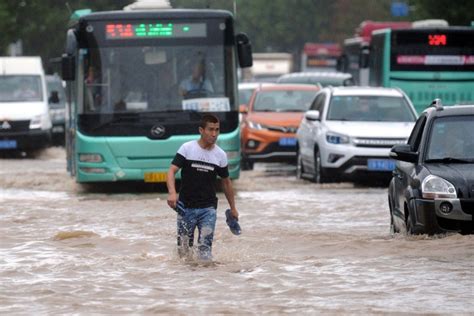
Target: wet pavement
304,248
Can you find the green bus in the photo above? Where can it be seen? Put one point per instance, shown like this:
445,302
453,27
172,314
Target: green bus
426,63
126,114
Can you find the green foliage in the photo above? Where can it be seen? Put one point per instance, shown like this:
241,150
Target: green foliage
285,25
41,24
277,25
460,12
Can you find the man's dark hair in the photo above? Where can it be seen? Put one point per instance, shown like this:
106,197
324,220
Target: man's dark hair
208,118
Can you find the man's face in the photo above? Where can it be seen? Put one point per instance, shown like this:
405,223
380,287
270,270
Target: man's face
209,133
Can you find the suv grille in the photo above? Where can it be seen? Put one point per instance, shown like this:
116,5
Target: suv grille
378,142
283,129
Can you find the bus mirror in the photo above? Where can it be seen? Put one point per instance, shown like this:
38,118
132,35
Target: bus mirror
244,50
68,66
71,42
364,58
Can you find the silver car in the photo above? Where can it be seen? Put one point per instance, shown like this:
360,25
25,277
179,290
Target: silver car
348,131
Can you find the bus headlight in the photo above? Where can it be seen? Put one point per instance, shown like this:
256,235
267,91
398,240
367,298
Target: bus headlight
90,158
434,187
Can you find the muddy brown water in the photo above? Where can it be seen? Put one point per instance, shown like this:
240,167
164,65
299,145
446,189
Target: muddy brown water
305,248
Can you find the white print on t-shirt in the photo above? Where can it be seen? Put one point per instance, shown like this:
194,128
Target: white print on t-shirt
201,167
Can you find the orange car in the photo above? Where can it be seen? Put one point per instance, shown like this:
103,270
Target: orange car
268,129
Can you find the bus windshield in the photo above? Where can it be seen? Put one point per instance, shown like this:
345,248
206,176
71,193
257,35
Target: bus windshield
156,79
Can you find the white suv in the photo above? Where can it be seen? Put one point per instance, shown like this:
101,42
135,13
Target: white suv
348,132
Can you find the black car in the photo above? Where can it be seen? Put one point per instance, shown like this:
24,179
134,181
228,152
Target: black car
432,188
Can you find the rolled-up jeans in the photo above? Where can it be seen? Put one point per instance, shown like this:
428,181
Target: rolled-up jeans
187,221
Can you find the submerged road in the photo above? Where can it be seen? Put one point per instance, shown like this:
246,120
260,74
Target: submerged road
305,248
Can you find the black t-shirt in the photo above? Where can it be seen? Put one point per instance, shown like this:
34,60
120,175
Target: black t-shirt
199,170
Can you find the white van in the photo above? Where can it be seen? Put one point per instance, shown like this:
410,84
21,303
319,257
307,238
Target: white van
25,122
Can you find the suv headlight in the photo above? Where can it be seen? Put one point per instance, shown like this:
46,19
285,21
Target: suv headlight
333,138
434,187
254,125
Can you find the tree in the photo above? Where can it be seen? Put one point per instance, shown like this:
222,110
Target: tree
455,12
284,26
41,24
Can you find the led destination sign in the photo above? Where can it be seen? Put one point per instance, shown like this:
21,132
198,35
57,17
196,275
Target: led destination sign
154,30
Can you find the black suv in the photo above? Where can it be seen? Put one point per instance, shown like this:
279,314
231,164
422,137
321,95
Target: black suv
432,188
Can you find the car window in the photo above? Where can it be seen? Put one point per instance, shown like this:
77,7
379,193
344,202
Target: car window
451,137
318,103
370,108
294,80
283,100
56,85
416,133
244,96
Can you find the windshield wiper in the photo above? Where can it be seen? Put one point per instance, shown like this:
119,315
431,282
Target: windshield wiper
449,160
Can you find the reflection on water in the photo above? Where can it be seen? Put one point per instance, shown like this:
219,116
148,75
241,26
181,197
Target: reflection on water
306,248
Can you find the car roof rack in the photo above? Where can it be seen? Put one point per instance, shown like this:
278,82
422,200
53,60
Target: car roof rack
437,104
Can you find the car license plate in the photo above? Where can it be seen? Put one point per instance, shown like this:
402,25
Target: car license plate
287,141
8,144
155,176
380,165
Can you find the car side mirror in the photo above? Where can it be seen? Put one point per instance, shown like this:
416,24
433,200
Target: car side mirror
53,97
403,153
243,108
312,115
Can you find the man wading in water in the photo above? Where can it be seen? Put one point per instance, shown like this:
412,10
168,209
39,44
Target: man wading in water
201,161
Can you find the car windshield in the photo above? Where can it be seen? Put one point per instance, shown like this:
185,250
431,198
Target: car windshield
451,139
244,95
20,88
283,100
370,109
54,84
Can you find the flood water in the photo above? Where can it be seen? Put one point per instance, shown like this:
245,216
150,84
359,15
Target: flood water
304,248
